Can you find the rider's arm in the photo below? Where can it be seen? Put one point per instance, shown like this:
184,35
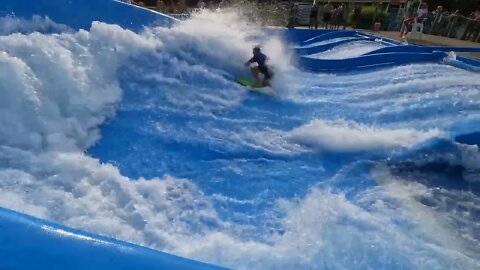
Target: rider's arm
252,60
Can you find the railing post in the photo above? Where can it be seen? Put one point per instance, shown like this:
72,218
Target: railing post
450,26
465,30
478,34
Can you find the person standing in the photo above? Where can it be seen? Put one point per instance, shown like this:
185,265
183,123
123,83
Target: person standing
437,14
341,16
327,14
320,15
292,15
357,14
333,18
313,16
418,18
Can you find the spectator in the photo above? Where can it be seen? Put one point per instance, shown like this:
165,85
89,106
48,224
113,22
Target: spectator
333,19
341,12
357,13
453,15
422,12
473,26
453,23
476,15
292,15
320,14
436,22
437,14
313,16
418,18
327,14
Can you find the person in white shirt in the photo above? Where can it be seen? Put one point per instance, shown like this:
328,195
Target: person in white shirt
422,11
420,16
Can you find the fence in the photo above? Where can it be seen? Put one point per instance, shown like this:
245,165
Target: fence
454,26
276,12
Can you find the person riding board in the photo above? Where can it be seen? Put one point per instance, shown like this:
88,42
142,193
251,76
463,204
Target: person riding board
258,65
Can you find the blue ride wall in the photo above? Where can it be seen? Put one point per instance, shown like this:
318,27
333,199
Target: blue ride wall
79,14
30,243
394,54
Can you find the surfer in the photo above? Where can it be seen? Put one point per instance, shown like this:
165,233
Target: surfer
258,65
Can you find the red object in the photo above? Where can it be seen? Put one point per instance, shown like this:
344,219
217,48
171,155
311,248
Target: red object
376,26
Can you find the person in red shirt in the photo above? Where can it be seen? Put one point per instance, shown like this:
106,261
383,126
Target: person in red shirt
419,17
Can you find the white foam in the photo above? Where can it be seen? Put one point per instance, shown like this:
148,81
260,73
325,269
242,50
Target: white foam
324,227
9,25
57,89
470,156
225,37
438,227
170,214
322,135
78,191
345,136
348,50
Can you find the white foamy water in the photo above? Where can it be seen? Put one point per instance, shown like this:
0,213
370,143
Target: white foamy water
348,50
9,25
328,41
350,136
58,89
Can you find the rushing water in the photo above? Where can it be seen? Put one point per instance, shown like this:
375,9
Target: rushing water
349,50
147,138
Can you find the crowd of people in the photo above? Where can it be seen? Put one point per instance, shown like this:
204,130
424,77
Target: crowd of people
447,23
439,12
335,16
437,22
328,15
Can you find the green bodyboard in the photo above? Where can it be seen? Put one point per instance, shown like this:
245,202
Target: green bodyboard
248,82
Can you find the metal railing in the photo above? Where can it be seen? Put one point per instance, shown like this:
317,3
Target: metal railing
453,26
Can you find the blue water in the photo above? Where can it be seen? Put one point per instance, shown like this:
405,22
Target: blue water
147,138
243,155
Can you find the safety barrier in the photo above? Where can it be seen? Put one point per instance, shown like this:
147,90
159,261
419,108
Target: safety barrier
306,50
455,26
394,54
413,48
30,243
331,35
368,61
